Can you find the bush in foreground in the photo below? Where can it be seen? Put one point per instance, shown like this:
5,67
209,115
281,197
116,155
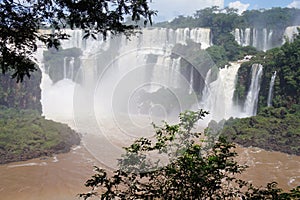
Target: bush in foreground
193,171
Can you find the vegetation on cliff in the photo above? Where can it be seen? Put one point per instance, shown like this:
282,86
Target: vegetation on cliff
276,127
24,134
285,61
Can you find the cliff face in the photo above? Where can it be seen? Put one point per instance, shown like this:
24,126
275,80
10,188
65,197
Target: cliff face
24,95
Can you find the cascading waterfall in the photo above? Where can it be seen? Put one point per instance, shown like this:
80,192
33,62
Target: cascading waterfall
247,37
191,81
116,73
71,71
68,68
175,69
217,96
120,57
250,106
164,71
65,67
258,38
289,33
255,38
237,35
269,42
270,94
263,38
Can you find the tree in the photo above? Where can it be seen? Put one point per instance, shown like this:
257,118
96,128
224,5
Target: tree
21,21
193,171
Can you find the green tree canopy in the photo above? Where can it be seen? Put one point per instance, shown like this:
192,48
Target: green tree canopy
21,20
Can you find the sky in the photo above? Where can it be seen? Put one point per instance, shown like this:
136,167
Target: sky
168,9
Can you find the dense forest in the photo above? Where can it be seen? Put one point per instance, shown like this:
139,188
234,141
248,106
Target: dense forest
24,134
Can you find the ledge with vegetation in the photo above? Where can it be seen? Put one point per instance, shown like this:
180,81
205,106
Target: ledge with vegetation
276,129
25,135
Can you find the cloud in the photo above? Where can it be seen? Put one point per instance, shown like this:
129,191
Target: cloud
169,9
294,4
241,7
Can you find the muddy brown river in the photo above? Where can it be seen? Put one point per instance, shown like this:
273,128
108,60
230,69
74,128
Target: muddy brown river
62,177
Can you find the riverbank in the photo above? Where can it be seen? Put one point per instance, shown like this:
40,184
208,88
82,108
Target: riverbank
24,135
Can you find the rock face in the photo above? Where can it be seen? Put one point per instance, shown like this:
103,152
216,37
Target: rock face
24,95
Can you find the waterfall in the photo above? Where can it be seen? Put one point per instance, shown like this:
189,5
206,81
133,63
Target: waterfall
289,33
262,39
270,94
205,92
200,35
217,96
247,37
265,39
114,63
254,37
250,106
175,70
191,81
71,68
238,36
269,43
65,67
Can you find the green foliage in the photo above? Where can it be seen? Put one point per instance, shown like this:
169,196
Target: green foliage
218,55
243,84
21,22
191,173
275,18
24,134
223,22
276,129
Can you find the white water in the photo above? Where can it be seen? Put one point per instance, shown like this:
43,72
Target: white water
289,33
191,81
217,96
262,39
127,58
270,94
104,106
250,106
258,38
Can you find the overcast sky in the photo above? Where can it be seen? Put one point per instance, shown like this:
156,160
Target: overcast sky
168,9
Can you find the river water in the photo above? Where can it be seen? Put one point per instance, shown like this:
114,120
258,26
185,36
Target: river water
62,177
